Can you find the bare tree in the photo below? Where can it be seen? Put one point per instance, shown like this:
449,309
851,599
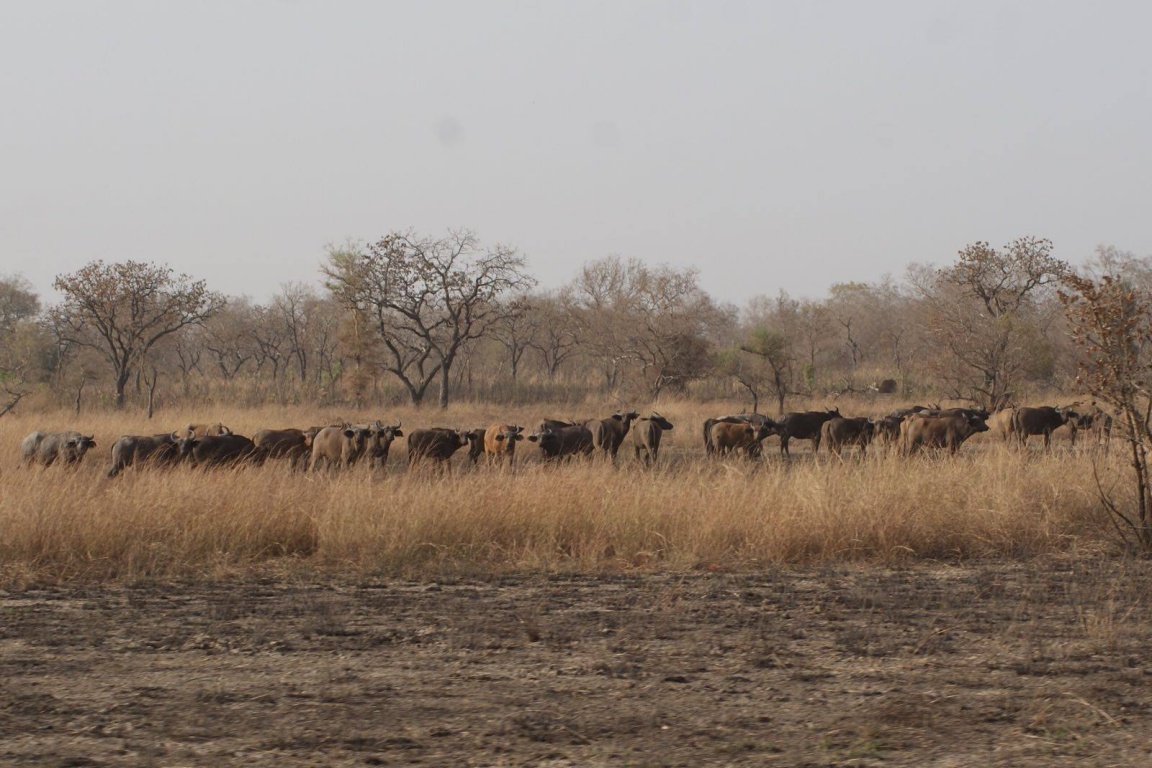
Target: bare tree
1112,325
659,319
982,313
557,337
123,309
426,298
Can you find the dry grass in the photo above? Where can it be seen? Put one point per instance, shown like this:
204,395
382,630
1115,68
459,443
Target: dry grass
60,524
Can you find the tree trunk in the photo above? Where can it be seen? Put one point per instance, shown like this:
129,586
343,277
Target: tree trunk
121,385
445,369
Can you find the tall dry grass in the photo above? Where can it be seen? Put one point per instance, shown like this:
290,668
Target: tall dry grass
63,524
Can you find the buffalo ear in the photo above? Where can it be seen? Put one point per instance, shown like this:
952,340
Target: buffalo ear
398,432
517,436
349,433
533,438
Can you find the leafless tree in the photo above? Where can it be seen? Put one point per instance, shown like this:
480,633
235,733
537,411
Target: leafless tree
982,315
426,298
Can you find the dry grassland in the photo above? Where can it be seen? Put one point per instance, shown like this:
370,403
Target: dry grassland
66,525
809,612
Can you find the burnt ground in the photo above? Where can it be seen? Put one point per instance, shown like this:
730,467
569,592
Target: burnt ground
1036,663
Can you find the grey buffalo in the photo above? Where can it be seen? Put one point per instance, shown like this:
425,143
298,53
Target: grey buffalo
154,450
338,447
49,447
646,436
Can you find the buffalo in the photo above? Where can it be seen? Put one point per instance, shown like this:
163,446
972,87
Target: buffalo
608,434
338,446
841,432
939,432
730,434
476,444
379,441
1097,423
886,431
804,426
291,444
204,430
49,447
436,444
562,442
646,436
500,442
220,450
156,450
1042,421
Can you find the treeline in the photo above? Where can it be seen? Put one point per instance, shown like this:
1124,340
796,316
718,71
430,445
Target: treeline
418,319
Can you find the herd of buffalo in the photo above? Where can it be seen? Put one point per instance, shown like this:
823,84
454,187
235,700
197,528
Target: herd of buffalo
343,445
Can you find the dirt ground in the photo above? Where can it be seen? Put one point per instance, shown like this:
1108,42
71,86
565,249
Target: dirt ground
1038,663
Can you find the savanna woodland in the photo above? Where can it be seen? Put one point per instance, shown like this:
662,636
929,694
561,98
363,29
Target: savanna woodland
427,511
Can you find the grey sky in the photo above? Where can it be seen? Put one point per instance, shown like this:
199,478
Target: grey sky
772,145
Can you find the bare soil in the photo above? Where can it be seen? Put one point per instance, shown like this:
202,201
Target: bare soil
1003,663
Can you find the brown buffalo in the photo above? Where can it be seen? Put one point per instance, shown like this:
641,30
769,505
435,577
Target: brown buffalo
338,447
608,434
804,426
841,432
646,436
436,444
939,432
1042,420
291,444
731,435
562,442
500,442
220,450
156,450
49,447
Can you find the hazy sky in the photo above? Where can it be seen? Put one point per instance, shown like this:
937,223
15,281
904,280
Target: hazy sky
772,145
